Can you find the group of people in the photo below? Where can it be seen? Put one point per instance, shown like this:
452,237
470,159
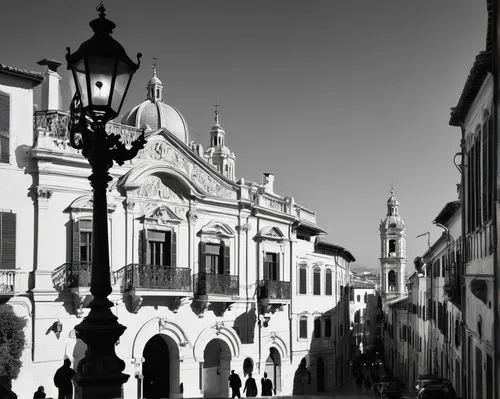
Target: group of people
62,380
250,388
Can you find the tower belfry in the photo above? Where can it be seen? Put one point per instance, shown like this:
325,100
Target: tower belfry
392,251
218,153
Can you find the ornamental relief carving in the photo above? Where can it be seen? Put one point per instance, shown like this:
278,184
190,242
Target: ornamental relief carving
153,187
161,151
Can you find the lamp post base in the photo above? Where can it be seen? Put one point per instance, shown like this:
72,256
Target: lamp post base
99,374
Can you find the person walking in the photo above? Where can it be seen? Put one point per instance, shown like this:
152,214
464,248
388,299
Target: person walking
62,380
250,386
235,385
267,386
359,382
40,393
368,384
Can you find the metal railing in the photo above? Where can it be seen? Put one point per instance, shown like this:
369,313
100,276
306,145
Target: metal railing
141,276
274,289
72,275
7,281
218,284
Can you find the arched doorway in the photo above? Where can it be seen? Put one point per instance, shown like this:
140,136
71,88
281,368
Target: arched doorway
320,374
216,369
273,368
156,368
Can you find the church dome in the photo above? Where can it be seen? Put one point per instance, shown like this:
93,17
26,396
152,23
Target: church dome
154,114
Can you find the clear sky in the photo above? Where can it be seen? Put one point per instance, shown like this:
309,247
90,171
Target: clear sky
339,99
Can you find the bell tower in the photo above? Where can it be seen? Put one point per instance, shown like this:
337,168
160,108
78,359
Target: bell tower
218,153
392,251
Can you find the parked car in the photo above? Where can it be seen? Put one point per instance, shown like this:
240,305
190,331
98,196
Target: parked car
437,390
389,390
425,379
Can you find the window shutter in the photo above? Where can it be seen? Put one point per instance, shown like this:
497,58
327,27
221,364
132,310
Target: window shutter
227,258
4,127
76,241
201,257
173,249
278,257
8,240
144,255
266,267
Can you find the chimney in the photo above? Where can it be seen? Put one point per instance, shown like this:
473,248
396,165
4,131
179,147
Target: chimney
268,182
51,93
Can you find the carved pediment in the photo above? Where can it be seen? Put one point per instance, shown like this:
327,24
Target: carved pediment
163,215
270,233
85,203
218,229
158,149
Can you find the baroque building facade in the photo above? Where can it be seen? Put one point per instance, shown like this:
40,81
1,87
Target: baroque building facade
209,272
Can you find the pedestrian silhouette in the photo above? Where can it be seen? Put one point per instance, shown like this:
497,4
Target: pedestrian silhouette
234,384
267,386
62,380
40,393
250,386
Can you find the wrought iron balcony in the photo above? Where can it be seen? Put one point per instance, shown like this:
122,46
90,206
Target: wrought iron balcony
274,289
154,277
215,284
7,282
72,275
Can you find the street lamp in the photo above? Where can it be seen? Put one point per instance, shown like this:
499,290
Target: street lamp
102,72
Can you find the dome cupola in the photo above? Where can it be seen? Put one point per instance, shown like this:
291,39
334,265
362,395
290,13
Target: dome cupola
154,114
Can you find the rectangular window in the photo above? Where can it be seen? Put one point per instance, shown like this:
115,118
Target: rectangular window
317,328
328,327
214,258
82,241
271,266
303,327
7,240
358,298
159,248
4,127
302,280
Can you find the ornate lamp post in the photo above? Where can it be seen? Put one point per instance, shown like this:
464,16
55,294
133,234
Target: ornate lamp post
102,72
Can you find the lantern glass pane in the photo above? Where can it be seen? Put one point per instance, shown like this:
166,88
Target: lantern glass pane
101,71
81,81
123,76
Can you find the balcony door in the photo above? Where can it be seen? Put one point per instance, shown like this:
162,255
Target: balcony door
160,248
271,266
214,258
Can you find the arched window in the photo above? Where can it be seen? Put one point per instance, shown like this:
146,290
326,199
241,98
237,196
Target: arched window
391,277
328,282
317,281
303,327
392,247
302,280
366,297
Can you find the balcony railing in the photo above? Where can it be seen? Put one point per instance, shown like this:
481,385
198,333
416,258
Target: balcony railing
7,281
215,284
157,277
72,275
51,132
274,289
